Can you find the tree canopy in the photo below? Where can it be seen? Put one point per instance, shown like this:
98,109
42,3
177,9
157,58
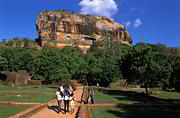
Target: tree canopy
146,65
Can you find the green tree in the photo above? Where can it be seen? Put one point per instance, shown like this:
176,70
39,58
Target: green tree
17,58
175,63
94,67
73,61
110,72
104,60
57,64
46,64
149,69
3,63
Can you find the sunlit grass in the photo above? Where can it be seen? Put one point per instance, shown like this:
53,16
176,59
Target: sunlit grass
6,111
26,94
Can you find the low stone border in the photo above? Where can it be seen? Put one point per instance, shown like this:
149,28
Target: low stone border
81,111
29,112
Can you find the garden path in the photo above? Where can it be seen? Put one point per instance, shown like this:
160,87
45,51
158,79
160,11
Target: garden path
48,113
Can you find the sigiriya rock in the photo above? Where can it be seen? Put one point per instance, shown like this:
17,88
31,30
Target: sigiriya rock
59,28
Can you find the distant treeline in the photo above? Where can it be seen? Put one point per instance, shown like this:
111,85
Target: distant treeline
147,65
17,42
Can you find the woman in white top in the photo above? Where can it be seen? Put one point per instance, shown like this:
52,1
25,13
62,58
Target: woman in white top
59,96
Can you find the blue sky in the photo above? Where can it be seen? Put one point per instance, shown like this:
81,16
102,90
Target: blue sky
147,20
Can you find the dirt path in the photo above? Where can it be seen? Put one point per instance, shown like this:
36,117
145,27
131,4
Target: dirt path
48,113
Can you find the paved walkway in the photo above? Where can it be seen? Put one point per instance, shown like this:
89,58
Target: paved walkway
49,113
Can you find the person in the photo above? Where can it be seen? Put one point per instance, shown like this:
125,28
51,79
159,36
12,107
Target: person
66,100
70,88
90,95
59,97
72,102
61,88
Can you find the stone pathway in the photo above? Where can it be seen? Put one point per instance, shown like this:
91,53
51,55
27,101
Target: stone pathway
48,113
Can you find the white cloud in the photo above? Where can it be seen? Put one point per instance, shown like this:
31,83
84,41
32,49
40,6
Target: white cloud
137,23
99,7
128,23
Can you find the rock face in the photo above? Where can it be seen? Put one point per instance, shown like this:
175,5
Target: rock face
59,29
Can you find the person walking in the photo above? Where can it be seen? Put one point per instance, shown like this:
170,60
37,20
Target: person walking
72,102
70,89
61,88
90,95
59,97
66,100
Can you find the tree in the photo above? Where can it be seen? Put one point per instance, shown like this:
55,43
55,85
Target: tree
19,42
3,63
104,60
46,65
94,67
57,64
149,69
74,61
110,72
17,58
175,63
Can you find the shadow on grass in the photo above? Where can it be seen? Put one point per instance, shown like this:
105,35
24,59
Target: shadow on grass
140,97
129,98
144,106
145,112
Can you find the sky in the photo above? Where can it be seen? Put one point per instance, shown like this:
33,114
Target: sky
150,21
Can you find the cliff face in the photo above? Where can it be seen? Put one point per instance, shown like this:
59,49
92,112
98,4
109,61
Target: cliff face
64,28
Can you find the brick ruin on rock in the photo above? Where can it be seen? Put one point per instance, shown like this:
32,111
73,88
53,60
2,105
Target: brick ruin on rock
59,29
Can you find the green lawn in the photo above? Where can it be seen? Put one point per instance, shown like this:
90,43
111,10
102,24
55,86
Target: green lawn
168,95
121,96
25,99
155,92
26,94
27,89
101,98
6,111
136,112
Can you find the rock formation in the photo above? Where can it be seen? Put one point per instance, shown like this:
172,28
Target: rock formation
59,29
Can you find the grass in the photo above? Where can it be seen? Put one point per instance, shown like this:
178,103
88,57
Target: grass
122,96
25,99
26,94
155,92
6,111
136,112
134,96
23,94
101,98
168,95
26,89
130,96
